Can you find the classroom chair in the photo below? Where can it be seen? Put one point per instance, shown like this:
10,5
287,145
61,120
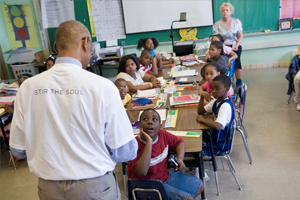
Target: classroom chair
293,87
6,142
146,189
240,113
230,71
226,156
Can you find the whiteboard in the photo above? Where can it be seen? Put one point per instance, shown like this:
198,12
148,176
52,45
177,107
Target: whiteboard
154,15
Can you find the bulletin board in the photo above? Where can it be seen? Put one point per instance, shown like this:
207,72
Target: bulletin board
289,9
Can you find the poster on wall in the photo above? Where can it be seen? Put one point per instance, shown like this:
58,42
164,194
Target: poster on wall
289,9
54,12
108,19
20,27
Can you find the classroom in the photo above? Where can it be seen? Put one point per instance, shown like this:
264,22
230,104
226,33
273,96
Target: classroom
263,136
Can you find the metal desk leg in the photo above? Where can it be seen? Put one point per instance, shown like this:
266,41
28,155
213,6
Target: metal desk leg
201,172
124,170
100,69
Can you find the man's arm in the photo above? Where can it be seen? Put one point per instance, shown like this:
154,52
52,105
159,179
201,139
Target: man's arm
17,132
21,154
125,152
119,138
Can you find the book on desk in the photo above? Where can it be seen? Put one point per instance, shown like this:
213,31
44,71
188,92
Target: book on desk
186,100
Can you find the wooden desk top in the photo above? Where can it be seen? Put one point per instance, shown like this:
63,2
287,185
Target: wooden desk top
184,123
186,119
167,66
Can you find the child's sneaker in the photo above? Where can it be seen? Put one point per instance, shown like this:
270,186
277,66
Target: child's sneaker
206,177
298,106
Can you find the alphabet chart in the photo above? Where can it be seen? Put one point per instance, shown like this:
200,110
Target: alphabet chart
108,19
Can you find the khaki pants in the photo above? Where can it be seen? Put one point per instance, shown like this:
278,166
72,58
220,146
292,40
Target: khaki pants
100,188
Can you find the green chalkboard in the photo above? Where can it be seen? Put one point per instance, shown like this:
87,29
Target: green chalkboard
256,16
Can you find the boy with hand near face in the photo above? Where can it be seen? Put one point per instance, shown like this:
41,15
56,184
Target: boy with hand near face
223,112
151,161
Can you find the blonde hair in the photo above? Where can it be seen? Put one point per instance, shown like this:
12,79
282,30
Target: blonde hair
229,5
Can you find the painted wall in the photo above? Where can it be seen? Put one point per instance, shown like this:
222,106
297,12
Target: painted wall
252,55
3,34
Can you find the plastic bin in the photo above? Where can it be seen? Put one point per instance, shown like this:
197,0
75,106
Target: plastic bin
24,69
200,52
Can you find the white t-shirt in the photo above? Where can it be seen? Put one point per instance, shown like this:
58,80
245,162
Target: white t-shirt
224,115
66,119
139,77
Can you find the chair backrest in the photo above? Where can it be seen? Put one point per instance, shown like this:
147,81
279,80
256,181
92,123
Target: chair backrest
230,71
232,134
146,189
242,102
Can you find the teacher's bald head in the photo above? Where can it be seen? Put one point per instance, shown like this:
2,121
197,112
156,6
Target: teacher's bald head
69,34
72,39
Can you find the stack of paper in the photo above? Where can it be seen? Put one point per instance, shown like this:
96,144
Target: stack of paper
188,58
186,99
171,118
185,133
161,100
7,99
149,94
185,79
184,73
185,87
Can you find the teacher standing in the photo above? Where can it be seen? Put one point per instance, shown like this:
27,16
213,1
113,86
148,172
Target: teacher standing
72,125
232,33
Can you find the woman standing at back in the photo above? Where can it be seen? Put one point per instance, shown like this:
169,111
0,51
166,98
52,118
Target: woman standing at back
232,33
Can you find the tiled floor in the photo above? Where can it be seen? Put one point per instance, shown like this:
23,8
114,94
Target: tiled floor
274,138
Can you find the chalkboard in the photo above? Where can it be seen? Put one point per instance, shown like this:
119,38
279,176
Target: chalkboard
158,15
256,16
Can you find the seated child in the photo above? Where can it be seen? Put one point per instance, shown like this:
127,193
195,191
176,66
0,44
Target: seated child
211,71
148,66
151,160
9,108
217,55
223,112
202,72
150,44
227,50
22,78
50,62
129,71
126,98
294,68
